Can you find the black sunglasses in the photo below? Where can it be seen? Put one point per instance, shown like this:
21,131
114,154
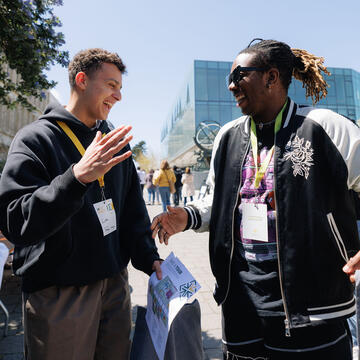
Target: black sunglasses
238,73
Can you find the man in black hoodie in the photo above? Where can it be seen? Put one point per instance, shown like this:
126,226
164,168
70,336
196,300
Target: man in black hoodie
76,218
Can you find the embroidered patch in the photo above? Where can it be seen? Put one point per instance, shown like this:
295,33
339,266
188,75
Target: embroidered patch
300,155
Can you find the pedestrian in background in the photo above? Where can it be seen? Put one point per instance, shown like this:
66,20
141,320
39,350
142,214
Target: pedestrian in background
178,185
163,179
76,218
150,187
157,192
188,189
280,214
142,175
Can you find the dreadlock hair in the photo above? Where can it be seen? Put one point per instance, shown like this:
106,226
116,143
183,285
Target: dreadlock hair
299,63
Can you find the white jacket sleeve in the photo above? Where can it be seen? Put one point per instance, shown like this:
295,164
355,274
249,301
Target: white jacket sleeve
346,137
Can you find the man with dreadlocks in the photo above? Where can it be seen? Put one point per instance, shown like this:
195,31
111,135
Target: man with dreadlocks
281,217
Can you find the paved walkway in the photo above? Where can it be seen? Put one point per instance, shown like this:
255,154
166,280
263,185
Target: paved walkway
190,247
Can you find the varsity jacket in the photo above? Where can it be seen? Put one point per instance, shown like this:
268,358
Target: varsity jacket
316,163
51,218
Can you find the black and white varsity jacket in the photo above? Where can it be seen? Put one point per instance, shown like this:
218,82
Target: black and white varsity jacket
316,164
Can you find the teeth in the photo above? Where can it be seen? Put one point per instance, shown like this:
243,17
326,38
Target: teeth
108,103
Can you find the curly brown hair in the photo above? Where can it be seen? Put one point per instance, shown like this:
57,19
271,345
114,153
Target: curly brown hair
90,60
309,73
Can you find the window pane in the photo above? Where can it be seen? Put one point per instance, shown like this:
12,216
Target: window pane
212,64
201,84
214,113
349,93
201,113
343,111
200,64
225,114
337,71
236,112
224,93
213,84
225,65
340,89
331,88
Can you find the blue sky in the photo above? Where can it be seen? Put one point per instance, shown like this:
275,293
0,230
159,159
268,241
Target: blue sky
159,39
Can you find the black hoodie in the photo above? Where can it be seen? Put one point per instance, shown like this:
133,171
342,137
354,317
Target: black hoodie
50,216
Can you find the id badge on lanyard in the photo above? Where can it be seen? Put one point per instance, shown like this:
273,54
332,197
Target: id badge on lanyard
254,216
106,215
105,210
255,221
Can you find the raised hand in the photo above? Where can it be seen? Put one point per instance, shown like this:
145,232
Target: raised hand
169,223
99,156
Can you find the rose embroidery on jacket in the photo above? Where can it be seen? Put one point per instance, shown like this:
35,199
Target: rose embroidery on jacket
300,155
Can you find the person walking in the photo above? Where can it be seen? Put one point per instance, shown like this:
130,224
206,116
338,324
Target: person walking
162,179
150,187
283,238
71,203
157,192
178,185
188,189
142,175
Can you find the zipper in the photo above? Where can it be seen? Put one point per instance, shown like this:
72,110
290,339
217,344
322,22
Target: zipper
287,317
287,328
232,225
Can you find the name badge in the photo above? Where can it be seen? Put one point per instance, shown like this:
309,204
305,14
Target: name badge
255,222
106,214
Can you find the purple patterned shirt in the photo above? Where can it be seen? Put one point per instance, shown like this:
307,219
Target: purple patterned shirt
259,275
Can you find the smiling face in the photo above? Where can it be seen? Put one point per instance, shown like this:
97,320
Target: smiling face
250,92
101,91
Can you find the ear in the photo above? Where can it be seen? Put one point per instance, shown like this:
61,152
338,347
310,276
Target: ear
81,80
273,77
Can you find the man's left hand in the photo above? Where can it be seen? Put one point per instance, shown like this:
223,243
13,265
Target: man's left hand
157,268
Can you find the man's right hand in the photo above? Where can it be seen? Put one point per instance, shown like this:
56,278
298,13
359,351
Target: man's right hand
169,223
99,156
351,266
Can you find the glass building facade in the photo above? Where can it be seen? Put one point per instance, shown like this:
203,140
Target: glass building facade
204,97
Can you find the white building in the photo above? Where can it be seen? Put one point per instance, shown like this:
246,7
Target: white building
11,120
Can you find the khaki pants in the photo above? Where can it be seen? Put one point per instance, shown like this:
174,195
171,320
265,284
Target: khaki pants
91,322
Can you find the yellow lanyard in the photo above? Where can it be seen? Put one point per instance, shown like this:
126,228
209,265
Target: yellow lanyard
259,174
78,145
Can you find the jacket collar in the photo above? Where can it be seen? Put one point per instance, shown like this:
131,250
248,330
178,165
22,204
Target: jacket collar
288,114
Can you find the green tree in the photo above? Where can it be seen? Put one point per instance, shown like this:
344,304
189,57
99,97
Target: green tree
139,150
29,45
148,161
